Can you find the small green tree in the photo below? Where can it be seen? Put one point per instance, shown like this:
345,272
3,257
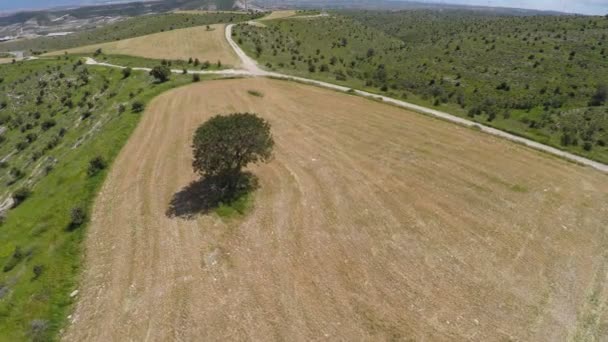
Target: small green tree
161,73
224,145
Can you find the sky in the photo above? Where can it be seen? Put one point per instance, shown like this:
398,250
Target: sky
574,6
596,7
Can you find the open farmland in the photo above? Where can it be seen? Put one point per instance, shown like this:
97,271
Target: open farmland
134,27
205,44
371,223
279,15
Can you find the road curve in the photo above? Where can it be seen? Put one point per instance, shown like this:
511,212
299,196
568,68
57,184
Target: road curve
250,65
251,68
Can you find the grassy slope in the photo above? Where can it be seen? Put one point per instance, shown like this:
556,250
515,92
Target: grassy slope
135,27
38,226
456,62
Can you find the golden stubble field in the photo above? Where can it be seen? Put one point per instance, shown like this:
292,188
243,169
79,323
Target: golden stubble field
181,44
372,223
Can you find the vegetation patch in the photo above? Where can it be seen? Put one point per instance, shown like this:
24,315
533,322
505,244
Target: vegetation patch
255,93
62,124
541,77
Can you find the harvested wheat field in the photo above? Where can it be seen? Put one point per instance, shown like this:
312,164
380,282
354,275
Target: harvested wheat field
195,42
371,223
279,14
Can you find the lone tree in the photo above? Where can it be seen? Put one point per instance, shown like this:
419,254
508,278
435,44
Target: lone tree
161,73
224,145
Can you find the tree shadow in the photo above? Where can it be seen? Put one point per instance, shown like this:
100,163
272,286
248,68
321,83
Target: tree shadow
206,194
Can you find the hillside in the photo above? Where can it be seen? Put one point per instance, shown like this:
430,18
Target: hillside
56,117
541,77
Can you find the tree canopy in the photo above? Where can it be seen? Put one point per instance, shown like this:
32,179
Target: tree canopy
225,144
161,73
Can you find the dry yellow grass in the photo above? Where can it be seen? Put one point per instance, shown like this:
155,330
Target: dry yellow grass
195,42
6,60
279,15
371,223
206,12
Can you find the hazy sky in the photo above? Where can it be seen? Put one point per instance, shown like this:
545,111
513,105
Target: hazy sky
577,6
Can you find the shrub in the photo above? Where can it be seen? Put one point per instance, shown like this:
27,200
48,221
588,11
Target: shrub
126,72
20,195
600,96
161,73
77,217
48,124
95,165
38,269
14,260
137,107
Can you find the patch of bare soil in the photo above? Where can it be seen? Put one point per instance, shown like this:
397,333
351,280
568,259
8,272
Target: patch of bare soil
371,223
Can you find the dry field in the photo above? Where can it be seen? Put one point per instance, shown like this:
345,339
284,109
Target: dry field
279,15
6,60
195,42
371,223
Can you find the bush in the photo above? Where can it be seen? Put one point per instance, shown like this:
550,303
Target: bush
95,165
77,217
196,78
600,96
126,72
137,107
14,260
38,269
48,124
161,73
20,195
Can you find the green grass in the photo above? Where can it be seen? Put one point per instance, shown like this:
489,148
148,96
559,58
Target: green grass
141,62
39,225
134,27
236,208
456,61
256,93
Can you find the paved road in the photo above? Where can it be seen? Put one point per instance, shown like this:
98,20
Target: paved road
251,68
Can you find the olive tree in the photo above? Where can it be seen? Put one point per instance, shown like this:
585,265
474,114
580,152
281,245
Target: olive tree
224,145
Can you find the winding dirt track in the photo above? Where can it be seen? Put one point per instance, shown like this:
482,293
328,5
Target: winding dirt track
371,223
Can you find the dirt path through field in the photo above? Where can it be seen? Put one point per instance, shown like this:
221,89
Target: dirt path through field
371,223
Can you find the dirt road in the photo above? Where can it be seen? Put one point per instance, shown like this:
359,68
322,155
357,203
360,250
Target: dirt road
251,65
371,223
